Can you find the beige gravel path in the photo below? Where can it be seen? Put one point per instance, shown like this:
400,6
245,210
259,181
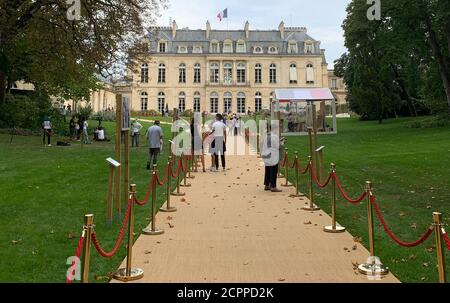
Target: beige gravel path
227,229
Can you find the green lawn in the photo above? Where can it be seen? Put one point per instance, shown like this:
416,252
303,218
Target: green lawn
409,170
45,193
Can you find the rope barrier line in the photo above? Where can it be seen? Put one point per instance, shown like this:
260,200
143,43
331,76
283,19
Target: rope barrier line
446,239
149,192
163,181
321,185
344,194
392,235
74,265
110,254
294,164
179,164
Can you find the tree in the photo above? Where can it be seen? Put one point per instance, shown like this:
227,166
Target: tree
39,44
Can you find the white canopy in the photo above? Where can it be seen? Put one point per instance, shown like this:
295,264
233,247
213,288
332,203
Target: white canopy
303,94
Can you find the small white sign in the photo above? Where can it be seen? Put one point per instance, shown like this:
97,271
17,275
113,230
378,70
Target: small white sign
113,162
320,149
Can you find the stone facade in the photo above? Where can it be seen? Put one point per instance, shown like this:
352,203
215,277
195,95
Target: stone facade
338,88
224,71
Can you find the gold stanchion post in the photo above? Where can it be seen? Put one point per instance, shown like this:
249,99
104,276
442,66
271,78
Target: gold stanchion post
88,228
153,231
169,208
311,206
334,228
178,193
129,273
373,267
117,147
437,222
184,174
297,189
286,170
190,167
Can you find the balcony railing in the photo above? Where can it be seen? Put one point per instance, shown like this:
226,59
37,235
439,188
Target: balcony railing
228,83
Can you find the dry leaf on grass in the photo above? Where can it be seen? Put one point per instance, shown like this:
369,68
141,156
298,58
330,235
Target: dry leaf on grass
357,239
425,264
414,225
412,257
16,241
402,214
70,236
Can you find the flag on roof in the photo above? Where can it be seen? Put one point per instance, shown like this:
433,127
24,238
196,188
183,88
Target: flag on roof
223,14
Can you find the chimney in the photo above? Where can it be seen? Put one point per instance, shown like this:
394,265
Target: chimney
174,29
246,28
208,29
281,29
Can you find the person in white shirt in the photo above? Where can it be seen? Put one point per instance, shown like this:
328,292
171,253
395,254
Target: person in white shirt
85,132
219,143
271,153
135,133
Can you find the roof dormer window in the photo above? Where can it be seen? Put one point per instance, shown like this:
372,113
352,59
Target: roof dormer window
292,47
182,49
197,49
240,46
309,47
228,46
162,46
214,47
258,50
273,49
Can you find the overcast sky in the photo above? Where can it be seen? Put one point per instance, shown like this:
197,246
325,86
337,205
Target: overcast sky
323,18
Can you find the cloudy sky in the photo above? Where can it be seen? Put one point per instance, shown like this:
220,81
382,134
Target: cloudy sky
323,18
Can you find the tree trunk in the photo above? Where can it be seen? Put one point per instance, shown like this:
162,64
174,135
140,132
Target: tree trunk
411,106
2,87
442,61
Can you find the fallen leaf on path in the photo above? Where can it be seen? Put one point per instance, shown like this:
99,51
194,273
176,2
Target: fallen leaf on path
147,252
345,248
245,263
307,222
183,200
169,218
355,247
287,212
146,262
281,280
171,225
357,239
355,265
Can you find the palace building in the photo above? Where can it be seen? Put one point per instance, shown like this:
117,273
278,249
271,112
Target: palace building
221,71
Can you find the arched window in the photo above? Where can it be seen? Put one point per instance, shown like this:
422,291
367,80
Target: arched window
197,73
214,71
258,102
241,72
144,73
309,74
196,102
182,73
162,73
258,50
161,102
241,103
227,102
214,103
273,73
144,101
228,73
258,73
293,73
273,50
181,102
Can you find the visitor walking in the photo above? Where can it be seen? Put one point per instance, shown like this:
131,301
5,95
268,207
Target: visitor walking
154,137
135,133
85,131
218,145
271,152
47,130
79,128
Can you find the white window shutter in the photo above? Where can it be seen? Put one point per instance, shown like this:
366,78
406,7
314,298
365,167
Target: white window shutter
293,74
309,74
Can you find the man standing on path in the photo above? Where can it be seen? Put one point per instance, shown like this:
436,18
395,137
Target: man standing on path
135,133
155,137
219,143
271,152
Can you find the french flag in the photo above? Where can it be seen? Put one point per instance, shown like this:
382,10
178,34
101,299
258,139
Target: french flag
223,14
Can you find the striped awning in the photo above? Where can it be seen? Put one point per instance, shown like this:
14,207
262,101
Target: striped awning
303,94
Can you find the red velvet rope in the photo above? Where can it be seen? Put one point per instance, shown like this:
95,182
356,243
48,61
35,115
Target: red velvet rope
177,170
149,192
74,265
163,181
347,197
184,167
294,164
446,240
321,185
304,172
392,235
119,240
283,163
